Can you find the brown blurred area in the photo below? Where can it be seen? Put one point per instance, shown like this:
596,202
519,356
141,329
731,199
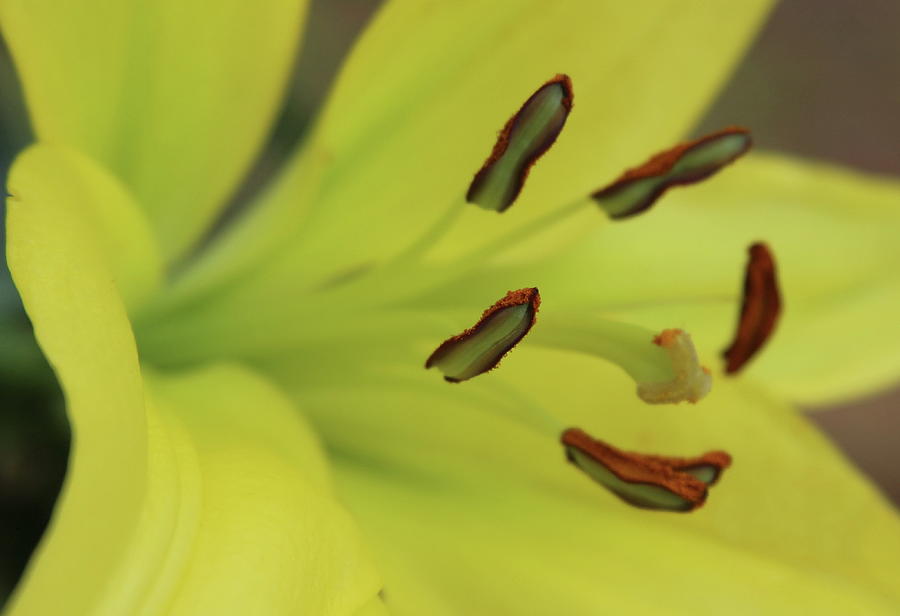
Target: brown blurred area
820,81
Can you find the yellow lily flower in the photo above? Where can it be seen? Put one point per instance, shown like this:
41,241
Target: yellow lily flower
255,432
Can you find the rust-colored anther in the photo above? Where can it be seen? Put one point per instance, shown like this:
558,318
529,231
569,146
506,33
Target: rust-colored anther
481,347
521,142
647,481
637,189
760,309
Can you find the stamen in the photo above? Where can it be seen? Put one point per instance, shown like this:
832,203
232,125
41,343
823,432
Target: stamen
481,347
759,310
638,188
692,381
523,140
664,366
647,481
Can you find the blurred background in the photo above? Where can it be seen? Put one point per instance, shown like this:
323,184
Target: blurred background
820,81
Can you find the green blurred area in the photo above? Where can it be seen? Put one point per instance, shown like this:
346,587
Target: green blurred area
820,82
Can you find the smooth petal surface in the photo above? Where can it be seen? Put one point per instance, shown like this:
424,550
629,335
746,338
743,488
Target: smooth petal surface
419,102
247,519
57,262
65,179
166,503
174,96
472,508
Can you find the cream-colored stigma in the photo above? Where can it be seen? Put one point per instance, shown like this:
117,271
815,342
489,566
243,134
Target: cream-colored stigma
691,382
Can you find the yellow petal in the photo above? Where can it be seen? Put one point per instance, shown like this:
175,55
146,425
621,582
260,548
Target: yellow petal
249,500
61,178
175,97
215,478
80,322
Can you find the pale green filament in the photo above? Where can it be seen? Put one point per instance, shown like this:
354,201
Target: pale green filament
434,233
523,232
629,346
664,374
402,277
523,409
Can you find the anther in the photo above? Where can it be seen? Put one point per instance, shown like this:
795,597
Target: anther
523,140
481,347
647,481
637,189
759,310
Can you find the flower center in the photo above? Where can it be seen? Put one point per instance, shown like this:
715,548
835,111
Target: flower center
354,323
667,360
665,366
